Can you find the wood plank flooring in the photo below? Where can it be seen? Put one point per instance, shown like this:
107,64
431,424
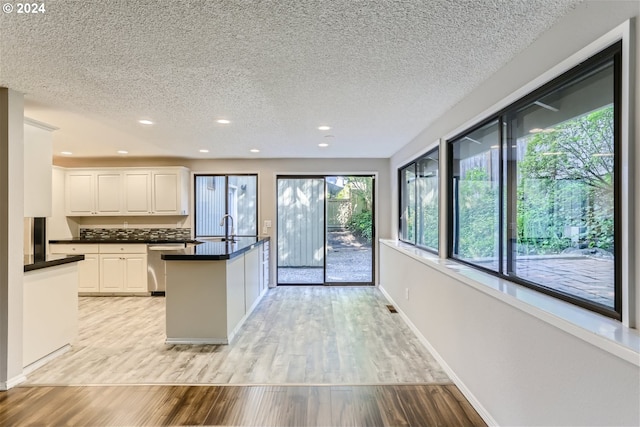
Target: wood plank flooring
297,335
148,405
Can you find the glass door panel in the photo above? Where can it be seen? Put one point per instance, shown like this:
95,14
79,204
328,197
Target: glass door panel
349,228
301,238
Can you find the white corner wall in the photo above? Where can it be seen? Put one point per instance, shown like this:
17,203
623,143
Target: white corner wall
516,368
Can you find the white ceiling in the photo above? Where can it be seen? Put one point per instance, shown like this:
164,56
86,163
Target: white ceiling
377,71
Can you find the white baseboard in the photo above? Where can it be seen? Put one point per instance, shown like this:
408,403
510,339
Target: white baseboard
486,416
12,382
46,359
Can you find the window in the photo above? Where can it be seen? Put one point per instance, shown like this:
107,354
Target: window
217,195
419,202
534,190
476,182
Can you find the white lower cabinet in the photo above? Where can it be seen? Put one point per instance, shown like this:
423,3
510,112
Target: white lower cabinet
109,268
111,273
123,273
252,264
89,274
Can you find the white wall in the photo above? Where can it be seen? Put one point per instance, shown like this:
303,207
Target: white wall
522,371
11,236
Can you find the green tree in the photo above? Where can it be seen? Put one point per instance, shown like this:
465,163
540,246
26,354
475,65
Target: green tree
565,180
478,215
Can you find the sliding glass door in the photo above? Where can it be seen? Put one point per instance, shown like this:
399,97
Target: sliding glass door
301,231
325,230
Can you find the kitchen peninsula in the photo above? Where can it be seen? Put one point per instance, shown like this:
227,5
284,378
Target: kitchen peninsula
213,287
50,301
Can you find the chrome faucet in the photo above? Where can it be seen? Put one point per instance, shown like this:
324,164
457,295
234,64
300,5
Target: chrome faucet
227,235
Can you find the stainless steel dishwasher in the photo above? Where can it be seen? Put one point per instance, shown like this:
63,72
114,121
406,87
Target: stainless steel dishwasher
156,273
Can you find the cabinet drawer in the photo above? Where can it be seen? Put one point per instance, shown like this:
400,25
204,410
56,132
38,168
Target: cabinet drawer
73,249
118,248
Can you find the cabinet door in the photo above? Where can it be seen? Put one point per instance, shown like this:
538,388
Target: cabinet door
252,267
137,192
109,193
80,193
165,193
265,266
89,274
111,273
135,273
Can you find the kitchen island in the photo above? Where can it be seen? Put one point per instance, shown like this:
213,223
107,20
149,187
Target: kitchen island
212,288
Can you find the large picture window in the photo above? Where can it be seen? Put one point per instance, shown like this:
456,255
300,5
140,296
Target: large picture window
534,190
419,204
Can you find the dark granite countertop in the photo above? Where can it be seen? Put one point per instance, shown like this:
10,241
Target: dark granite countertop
215,250
31,264
132,241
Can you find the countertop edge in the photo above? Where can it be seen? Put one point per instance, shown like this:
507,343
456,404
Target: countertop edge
211,257
39,265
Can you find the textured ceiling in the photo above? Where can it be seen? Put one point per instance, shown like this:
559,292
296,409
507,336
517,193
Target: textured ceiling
376,71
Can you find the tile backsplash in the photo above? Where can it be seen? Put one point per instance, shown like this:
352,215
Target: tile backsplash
135,233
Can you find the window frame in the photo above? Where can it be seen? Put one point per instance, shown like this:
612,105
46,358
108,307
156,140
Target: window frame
414,163
612,53
226,201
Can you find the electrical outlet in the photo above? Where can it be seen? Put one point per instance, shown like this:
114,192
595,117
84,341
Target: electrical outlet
406,293
265,230
125,225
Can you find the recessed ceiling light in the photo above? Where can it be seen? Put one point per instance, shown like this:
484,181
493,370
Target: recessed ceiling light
323,144
145,122
66,153
123,152
254,150
204,150
223,121
324,127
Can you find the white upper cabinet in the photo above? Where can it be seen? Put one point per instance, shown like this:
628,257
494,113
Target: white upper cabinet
128,192
38,152
80,193
167,193
137,192
108,193
93,192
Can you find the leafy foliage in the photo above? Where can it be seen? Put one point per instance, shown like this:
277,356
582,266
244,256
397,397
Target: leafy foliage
565,186
564,192
361,226
478,215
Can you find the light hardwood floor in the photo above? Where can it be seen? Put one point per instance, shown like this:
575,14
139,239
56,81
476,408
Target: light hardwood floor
297,335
